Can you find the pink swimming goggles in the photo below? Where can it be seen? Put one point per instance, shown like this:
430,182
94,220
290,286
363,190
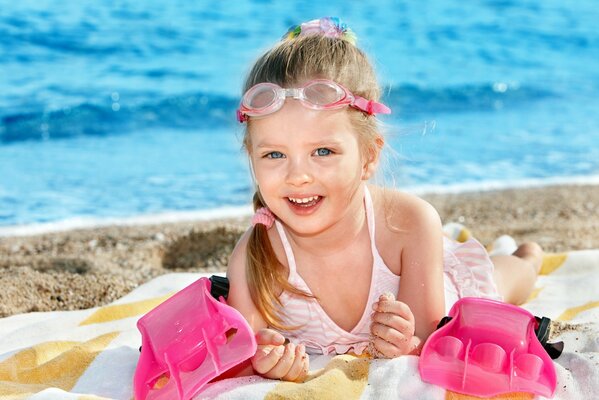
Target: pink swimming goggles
319,94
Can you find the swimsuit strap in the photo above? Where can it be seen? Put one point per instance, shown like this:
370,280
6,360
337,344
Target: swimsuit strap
287,247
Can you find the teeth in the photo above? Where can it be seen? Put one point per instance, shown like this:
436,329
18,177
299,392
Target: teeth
304,200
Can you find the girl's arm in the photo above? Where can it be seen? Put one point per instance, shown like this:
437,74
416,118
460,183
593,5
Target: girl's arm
274,358
402,326
422,285
239,293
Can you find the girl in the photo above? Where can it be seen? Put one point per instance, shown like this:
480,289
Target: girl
311,274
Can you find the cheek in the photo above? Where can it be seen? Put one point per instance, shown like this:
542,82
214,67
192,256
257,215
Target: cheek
344,178
354,166
266,178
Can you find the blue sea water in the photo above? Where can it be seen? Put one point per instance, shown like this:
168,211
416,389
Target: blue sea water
115,110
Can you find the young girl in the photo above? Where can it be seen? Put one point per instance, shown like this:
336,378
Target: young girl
311,275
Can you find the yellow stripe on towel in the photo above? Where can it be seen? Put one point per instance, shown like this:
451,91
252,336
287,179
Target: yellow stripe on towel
570,313
126,310
49,364
344,377
551,262
16,391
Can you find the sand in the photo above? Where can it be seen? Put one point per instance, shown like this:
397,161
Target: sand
91,267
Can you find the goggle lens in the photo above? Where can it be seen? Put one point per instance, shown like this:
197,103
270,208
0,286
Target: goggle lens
323,94
262,96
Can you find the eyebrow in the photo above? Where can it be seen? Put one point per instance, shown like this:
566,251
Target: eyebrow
317,143
267,145
336,143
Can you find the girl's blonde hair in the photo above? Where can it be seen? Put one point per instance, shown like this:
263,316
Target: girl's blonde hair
289,63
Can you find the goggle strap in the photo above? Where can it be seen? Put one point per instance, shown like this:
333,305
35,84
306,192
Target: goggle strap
370,107
241,117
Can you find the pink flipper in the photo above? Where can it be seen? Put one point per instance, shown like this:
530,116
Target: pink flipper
187,341
488,348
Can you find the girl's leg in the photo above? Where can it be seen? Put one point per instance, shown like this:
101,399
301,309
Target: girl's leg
515,275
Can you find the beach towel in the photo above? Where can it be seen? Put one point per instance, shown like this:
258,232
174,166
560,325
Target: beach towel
92,354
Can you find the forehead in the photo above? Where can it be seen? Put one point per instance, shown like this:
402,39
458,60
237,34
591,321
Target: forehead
294,124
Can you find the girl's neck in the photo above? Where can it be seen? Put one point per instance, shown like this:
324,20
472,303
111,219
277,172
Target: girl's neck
337,237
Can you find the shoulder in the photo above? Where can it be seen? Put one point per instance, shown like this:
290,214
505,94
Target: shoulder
237,259
403,221
239,293
402,212
236,267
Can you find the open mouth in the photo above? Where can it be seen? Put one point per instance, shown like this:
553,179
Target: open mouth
304,202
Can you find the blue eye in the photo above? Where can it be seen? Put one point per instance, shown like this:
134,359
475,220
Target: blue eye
274,154
323,152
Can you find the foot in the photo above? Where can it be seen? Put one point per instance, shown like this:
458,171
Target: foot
531,252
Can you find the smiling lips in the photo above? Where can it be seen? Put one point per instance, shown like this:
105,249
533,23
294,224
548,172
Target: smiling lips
304,202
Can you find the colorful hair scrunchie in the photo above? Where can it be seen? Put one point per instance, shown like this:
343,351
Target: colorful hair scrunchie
328,26
263,216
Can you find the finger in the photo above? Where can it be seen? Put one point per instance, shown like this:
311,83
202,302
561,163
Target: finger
389,334
297,368
266,358
394,321
285,362
305,368
387,349
394,307
269,336
382,299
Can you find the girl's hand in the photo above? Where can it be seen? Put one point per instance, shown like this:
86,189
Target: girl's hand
276,359
392,328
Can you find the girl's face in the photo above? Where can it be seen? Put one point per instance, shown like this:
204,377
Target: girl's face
308,166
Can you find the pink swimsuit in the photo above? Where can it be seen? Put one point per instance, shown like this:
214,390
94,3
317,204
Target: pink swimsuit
468,272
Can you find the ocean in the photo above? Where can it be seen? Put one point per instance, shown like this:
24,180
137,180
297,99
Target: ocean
121,112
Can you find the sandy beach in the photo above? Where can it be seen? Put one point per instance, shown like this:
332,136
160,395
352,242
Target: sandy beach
91,267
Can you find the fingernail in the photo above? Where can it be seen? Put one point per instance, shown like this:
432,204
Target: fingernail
279,350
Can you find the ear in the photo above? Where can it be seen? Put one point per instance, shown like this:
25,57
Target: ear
369,169
372,159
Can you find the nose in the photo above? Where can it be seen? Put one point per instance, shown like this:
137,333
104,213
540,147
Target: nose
298,173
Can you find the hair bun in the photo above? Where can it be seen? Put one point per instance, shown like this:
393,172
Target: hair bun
327,26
